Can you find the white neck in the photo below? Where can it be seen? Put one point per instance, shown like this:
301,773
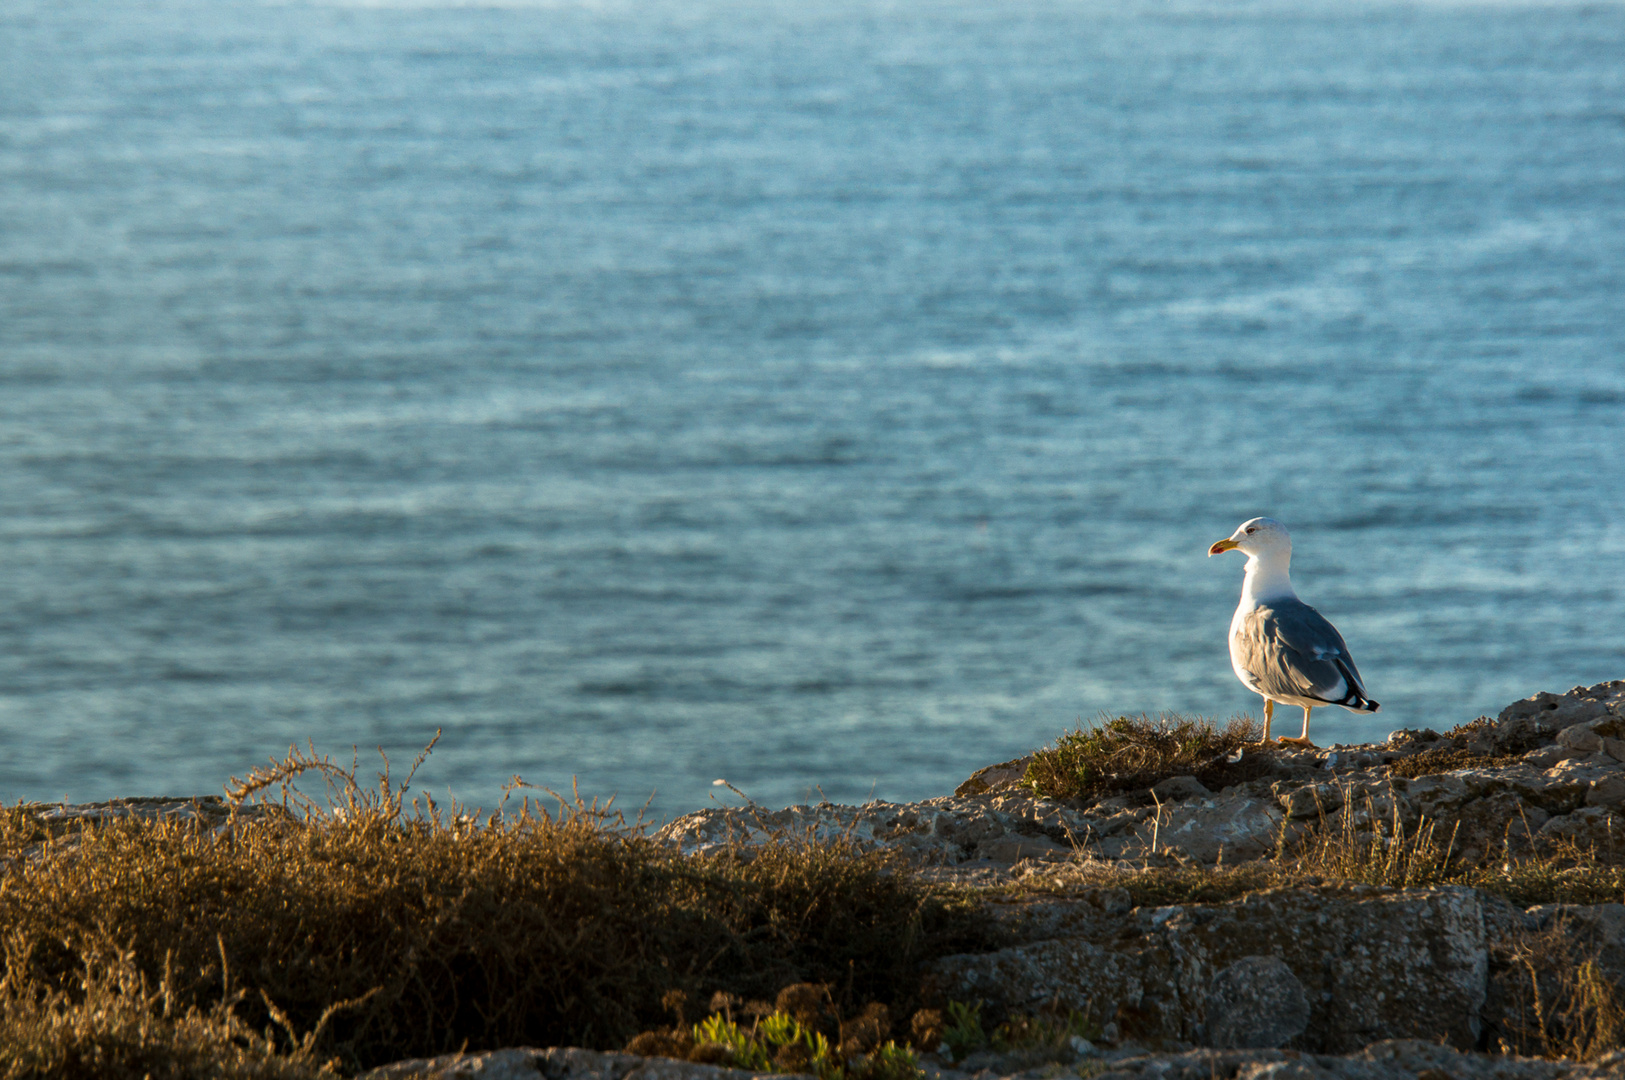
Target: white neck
1267,579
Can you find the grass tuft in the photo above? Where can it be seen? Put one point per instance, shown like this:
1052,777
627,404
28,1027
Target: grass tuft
1130,753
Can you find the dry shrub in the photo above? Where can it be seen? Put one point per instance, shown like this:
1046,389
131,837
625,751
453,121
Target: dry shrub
1132,753
1190,883
810,1005
111,1024
533,927
865,1032
925,1029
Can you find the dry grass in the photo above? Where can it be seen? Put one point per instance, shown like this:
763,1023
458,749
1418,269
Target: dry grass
1368,848
1446,759
1132,753
1382,851
1550,997
429,930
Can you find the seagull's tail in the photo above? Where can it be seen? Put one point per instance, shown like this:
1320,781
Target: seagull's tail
1356,700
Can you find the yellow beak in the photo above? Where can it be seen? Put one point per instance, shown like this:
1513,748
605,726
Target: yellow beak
1222,546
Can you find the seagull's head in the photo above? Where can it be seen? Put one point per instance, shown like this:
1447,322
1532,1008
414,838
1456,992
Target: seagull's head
1258,538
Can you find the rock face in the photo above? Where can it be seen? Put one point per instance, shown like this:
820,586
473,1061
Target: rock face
1550,767
1326,970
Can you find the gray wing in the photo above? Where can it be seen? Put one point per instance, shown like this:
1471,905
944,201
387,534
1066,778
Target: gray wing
1290,649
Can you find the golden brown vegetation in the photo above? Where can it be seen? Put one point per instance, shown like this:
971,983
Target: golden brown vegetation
384,929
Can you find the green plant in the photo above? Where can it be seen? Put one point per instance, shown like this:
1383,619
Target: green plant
891,1062
1044,1036
1033,1040
779,1042
766,1040
962,1031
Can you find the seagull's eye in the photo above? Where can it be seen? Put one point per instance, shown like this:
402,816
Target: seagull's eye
1251,531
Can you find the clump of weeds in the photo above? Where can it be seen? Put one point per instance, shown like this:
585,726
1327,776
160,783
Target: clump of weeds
1023,1041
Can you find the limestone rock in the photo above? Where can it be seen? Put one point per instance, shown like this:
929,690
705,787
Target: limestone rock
1596,827
1309,802
1497,824
1607,791
1558,711
1235,829
1009,849
1177,788
1004,776
1392,1059
1256,1003
1372,965
1580,737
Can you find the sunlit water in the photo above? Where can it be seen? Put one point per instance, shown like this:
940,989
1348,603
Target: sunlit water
827,396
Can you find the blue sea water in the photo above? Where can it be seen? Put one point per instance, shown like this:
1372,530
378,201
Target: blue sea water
833,396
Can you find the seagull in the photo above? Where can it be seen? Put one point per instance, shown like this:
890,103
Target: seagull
1280,647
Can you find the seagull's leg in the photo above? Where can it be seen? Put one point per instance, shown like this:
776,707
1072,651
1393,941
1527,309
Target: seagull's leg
1269,714
1302,740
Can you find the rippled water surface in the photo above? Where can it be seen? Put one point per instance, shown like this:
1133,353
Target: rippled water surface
828,395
